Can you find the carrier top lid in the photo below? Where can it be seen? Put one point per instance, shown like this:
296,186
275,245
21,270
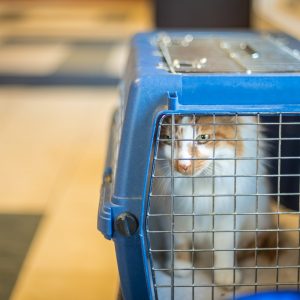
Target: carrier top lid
228,54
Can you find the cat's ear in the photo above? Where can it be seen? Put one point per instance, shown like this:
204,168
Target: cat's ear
166,119
228,119
210,120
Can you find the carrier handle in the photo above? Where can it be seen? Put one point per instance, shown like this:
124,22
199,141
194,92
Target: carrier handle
105,223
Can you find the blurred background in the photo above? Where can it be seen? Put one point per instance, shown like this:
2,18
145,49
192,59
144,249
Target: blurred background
60,64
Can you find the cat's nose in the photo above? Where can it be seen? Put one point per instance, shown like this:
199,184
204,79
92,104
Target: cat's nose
183,167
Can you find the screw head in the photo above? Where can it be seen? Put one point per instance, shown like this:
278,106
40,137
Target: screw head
126,224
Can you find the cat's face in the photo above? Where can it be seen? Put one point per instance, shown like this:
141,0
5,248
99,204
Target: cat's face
197,140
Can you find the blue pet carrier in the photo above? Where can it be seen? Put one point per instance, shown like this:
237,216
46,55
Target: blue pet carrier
201,187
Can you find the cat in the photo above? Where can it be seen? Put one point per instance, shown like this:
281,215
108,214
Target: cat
209,155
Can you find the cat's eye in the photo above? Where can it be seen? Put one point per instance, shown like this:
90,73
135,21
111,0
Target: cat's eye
202,138
166,139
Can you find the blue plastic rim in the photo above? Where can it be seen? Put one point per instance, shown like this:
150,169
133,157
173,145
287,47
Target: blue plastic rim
284,295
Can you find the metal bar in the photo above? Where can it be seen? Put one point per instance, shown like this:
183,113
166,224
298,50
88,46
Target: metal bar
234,158
235,284
172,209
256,208
238,268
236,249
232,140
193,221
230,176
226,195
241,123
235,230
278,198
234,208
213,204
228,214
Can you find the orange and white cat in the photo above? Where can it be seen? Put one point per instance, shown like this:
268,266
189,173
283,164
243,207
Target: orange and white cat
217,199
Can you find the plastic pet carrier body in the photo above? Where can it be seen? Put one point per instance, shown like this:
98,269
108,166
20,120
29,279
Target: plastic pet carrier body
201,188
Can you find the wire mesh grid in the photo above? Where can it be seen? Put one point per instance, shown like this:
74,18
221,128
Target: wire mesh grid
218,222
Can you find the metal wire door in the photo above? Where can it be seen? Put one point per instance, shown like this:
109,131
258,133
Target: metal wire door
216,224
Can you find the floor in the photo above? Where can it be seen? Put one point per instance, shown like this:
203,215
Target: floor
14,245
54,142
59,45
53,134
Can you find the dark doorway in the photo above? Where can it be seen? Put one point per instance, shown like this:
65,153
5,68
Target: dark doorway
202,13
